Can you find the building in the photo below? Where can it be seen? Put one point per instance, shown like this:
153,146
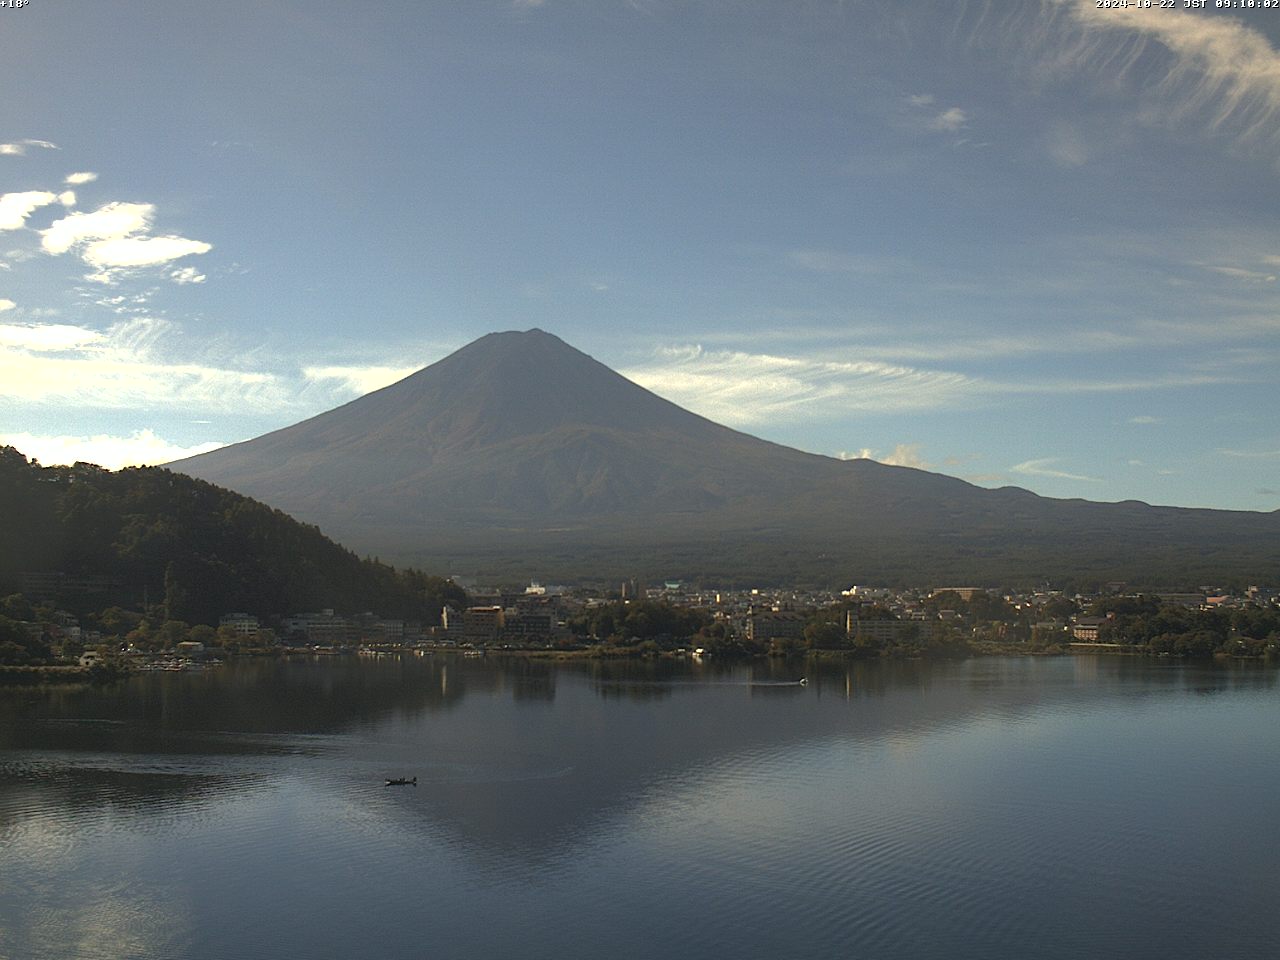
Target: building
322,629
765,626
964,593
1087,629
876,632
483,624
244,625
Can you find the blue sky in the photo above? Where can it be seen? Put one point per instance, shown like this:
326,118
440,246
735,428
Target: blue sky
1031,243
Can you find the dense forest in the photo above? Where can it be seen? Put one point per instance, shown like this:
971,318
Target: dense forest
148,535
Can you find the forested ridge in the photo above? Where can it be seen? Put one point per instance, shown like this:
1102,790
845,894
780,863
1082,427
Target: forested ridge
201,550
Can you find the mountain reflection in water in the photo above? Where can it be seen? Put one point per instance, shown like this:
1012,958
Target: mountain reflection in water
982,808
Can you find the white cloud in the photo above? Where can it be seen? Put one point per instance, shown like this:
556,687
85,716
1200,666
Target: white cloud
1239,273
19,148
742,388
1145,420
1253,454
187,275
111,221
75,179
131,365
141,251
44,337
834,261
6,305
358,380
907,455
140,448
1043,468
903,455
1066,147
920,99
949,120
1219,70
16,207
67,198
113,238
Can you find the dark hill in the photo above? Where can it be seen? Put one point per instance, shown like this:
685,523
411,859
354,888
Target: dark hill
148,533
520,454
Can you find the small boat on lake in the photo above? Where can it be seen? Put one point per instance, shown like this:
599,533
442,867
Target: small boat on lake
402,782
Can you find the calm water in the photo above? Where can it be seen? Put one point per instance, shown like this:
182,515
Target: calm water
1004,808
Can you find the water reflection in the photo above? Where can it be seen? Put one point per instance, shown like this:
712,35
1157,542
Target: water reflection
872,795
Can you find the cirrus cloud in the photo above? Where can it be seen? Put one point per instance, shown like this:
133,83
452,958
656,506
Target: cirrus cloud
357,380
741,388
1043,467
19,148
130,365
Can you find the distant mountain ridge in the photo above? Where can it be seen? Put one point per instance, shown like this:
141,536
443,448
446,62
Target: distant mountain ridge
521,454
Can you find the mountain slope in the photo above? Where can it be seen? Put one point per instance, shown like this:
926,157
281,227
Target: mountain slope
520,453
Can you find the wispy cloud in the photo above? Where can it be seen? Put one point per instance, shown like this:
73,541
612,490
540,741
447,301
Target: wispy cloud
1067,147
925,114
1240,273
357,380
1145,420
1044,468
834,261
126,366
741,388
140,448
20,147
949,120
1252,454
1209,67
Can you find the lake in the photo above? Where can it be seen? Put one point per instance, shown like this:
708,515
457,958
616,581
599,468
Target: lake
1002,808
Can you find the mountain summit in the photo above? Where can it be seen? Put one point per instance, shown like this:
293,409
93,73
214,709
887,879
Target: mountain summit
520,453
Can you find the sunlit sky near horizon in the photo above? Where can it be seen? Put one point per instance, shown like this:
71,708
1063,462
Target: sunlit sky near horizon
1031,242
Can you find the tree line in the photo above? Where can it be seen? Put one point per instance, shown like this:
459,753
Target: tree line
156,538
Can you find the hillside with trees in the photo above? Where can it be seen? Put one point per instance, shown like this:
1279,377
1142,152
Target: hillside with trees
148,536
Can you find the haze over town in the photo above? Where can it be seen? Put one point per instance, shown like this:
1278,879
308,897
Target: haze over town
1019,243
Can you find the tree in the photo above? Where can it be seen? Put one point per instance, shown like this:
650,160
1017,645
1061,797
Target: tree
203,633
16,607
825,635
116,622
173,632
